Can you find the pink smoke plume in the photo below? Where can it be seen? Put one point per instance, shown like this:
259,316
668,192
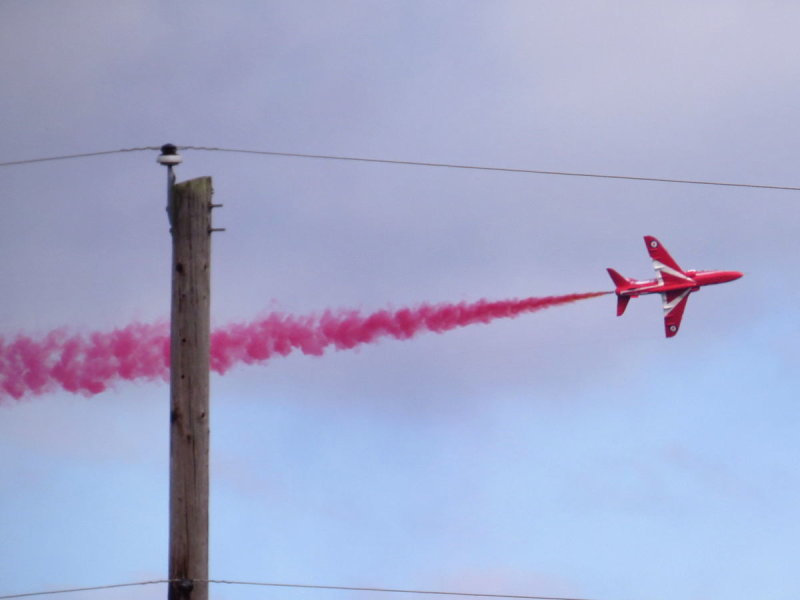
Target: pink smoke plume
89,363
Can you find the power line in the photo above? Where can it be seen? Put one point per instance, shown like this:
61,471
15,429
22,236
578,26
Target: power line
497,169
392,590
69,156
84,589
296,586
416,164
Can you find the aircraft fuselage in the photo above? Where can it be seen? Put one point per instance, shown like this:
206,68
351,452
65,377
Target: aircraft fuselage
696,280
673,283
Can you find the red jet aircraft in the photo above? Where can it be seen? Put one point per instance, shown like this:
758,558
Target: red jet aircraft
673,283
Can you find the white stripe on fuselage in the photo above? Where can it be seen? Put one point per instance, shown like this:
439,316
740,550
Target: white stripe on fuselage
645,286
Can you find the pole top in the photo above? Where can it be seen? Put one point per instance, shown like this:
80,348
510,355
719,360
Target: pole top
169,155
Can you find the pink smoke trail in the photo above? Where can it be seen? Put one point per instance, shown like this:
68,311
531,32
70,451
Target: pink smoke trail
88,364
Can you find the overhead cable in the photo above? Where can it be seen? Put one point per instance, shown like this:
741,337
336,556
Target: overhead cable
298,586
416,164
83,589
391,590
69,156
485,168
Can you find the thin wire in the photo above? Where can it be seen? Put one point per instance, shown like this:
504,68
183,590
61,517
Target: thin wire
500,169
413,163
68,156
294,585
85,589
389,590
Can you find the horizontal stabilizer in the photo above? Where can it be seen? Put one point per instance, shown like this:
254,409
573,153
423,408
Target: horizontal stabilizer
622,304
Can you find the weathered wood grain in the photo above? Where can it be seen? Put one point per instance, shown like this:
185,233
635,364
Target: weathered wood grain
190,216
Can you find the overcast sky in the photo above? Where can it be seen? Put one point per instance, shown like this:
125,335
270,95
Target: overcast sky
562,453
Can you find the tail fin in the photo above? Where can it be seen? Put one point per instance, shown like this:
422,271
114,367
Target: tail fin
618,279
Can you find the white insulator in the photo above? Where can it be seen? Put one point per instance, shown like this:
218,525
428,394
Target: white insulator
170,159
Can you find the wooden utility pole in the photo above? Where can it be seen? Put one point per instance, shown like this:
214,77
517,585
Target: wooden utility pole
189,210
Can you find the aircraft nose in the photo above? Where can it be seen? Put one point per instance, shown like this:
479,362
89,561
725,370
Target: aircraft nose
732,275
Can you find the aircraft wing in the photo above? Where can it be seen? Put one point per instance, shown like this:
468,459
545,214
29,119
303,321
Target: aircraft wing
666,268
674,305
